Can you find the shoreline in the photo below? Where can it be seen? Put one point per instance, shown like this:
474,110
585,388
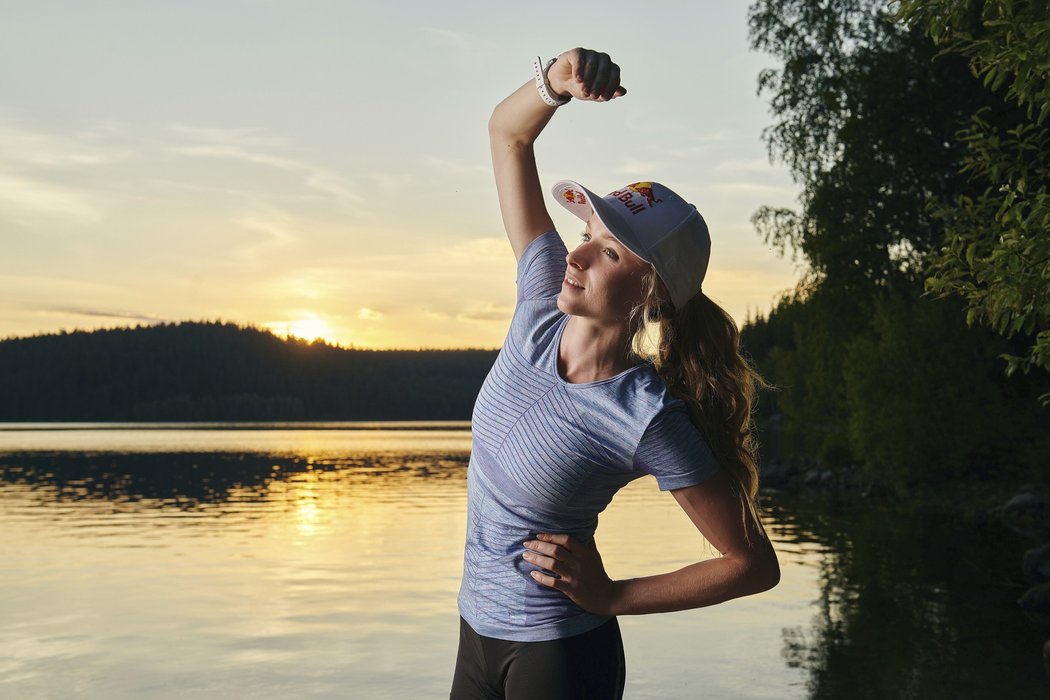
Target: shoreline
973,499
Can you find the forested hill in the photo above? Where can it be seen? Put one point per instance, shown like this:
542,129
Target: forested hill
221,371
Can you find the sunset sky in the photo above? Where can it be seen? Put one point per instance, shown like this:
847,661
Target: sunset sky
322,168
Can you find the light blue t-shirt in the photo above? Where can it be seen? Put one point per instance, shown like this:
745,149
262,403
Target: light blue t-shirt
548,456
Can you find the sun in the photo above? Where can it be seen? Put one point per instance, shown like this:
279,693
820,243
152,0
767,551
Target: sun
311,329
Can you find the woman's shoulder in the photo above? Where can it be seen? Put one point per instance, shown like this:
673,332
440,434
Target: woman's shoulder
651,389
654,404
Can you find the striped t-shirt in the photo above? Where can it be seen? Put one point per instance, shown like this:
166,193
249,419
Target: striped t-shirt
547,456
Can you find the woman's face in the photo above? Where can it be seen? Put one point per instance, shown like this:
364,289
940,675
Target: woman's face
609,275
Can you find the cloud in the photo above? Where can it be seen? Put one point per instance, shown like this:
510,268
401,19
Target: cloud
751,188
237,137
369,314
273,223
236,152
648,123
718,136
334,184
477,250
21,147
486,312
456,168
637,168
196,188
100,313
237,145
21,195
39,173
756,165
273,229
17,290
694,145
391,183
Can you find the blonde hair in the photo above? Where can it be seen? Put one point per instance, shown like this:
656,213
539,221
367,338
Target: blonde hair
696,351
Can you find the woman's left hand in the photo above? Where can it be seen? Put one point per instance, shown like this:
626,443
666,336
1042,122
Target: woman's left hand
579,566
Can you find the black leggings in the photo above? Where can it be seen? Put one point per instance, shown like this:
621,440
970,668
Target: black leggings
588,666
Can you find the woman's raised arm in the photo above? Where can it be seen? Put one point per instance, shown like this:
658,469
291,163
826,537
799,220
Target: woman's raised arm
516,123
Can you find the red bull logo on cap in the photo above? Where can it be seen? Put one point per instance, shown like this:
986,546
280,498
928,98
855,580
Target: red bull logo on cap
573,197
644,190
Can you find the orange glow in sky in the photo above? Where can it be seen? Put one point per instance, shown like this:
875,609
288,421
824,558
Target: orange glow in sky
327,174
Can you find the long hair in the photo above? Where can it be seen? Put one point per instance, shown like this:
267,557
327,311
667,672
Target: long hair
696,351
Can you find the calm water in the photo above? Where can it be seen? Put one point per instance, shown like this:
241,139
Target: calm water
278,561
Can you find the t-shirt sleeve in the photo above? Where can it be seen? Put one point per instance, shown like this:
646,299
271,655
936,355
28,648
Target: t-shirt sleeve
674,451
541,267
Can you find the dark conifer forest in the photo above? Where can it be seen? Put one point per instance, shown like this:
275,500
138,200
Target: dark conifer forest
221,371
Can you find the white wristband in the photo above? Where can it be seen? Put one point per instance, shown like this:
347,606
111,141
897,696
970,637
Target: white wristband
544,87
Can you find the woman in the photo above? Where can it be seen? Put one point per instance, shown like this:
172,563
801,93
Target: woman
571,412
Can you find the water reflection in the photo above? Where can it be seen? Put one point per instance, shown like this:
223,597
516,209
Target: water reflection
153,573
290,439
189,480
333,572
158,575
911,603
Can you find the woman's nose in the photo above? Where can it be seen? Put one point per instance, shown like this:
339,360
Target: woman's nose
576,259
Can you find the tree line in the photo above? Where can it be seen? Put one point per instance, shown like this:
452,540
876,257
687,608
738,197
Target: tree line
917,343
222,371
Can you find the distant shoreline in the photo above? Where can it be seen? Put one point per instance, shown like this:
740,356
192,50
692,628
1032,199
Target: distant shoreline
235,425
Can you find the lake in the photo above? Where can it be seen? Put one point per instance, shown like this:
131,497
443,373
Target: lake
323,561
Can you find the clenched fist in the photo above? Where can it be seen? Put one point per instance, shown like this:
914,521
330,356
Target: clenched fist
586,75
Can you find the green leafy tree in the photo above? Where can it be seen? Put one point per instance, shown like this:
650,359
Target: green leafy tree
866,126
996,253
865,120
867,114
922,414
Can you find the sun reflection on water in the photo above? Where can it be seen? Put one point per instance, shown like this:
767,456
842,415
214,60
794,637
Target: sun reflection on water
323,561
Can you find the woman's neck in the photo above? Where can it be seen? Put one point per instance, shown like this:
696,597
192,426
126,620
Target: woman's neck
591,352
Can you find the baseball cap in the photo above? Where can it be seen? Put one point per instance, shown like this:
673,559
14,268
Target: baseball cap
655,224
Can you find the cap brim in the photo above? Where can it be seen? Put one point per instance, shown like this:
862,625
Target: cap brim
567,192
575,197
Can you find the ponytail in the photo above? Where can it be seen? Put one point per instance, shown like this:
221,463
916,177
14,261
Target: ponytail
696,351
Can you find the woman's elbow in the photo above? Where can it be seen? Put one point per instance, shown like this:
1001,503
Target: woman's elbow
770,575
500,129
495,123
763,570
